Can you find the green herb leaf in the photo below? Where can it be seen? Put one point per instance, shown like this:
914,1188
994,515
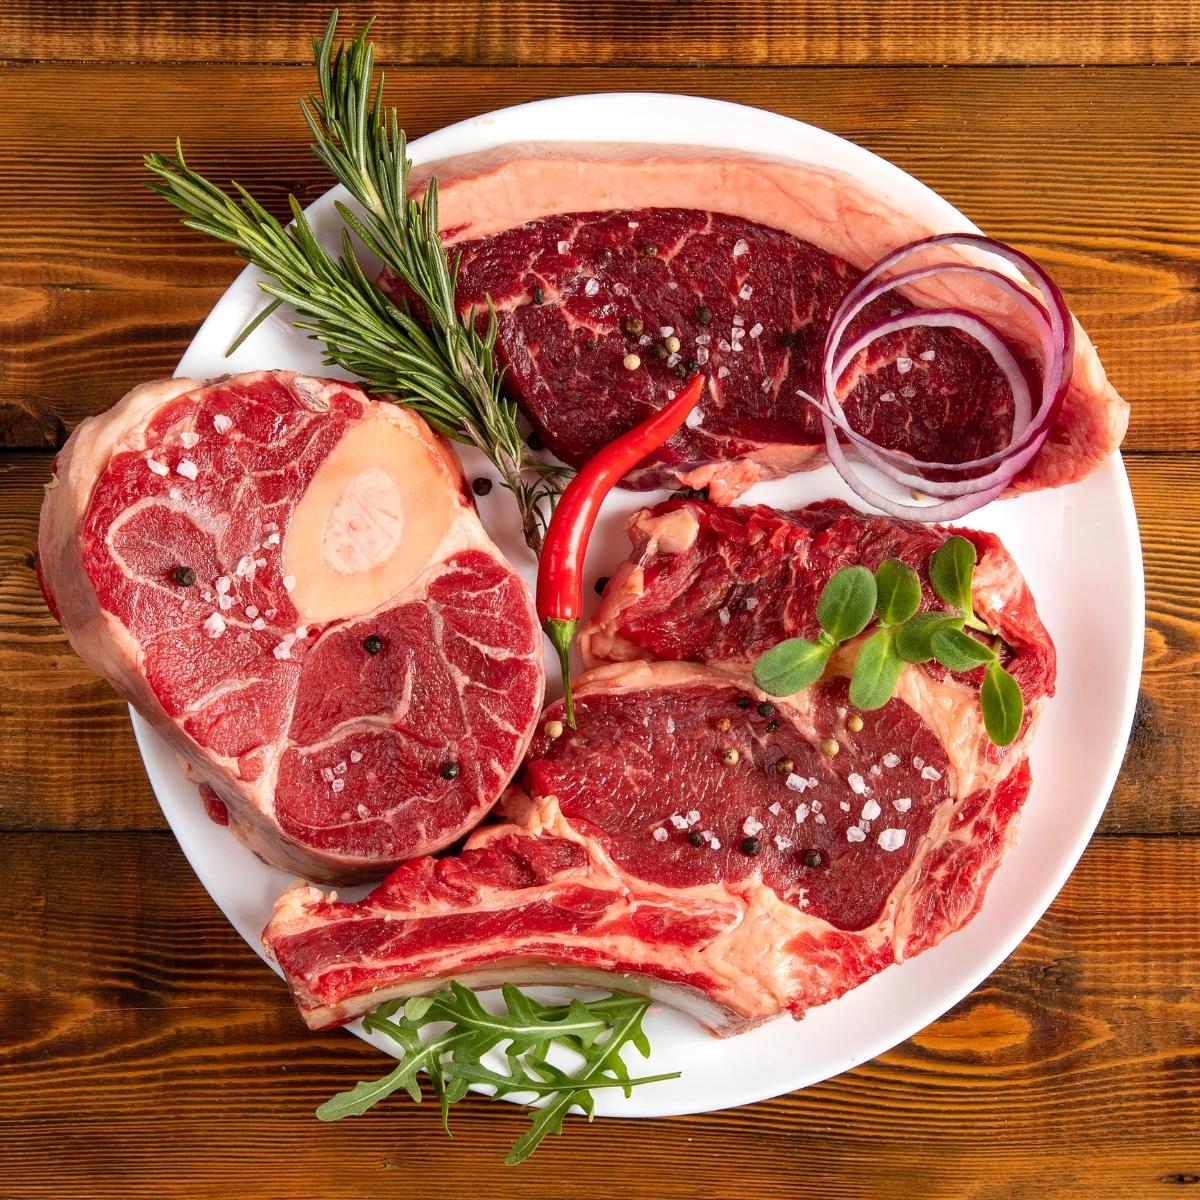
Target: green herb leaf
791,666
958,651
597,1031
1002,703
950,569
876,671
847,603
899,591
914,639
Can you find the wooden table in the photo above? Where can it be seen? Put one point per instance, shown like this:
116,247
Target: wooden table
146,1052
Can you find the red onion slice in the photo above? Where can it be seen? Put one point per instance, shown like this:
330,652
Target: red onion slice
1053,327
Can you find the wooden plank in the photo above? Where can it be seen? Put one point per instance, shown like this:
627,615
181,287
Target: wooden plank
143,1033
534,32
104,288
68,760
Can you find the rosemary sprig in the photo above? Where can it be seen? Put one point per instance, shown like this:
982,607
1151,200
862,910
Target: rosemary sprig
597,1031
426,356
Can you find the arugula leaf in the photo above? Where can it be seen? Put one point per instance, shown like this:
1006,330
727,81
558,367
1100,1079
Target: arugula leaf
876,672
847,603
958,651
791,666
899,591
914,639
950,569
597,1031
1002,704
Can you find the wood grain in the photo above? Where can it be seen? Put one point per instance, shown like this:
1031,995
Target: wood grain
559,32
133,1005
105,288
68,760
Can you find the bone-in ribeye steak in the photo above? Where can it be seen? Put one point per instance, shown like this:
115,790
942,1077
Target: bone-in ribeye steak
591,253
289,580
625,852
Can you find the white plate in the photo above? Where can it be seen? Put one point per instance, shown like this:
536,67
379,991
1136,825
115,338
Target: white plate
1073,544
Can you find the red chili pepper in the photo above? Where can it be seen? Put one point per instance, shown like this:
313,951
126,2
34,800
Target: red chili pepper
560,572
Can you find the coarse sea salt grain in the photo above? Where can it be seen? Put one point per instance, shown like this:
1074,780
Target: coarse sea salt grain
363,811
902,803
284,649
337,785
775,809
159,468
751,825
751,603
765,385
904,365
340,769
871,810
187,469
714,843
633,224
927,355
844,805
272,540
703,339
245,566
701,355
680,822
695,418
908,392
188,438
738,322
795,783
251,611
918,762
224,603
259,623
722,372
222,423
891,760
289,582
670,724
660,834
692,816
887,397
930,773
854,834
820,818
327,774
723,615
222,585
175,494
891,839
591,287
816,804
740,247
746,291
858,785
356,756
563,247
756,329
666,330
782,843
214,626
802,811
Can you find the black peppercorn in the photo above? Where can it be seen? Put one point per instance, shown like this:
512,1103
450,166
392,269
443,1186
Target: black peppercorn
695,838
372,644
660,351
539,296
601,584
680,372
688,493
787,337
534,440
704,316
766,709
691,363
482,486
743,702
771,726
633,326
184,576
448,770
751,846
813,858
651,250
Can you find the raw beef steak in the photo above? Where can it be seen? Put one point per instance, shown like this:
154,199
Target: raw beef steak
289,581
694,837
591,253
627,863
722,585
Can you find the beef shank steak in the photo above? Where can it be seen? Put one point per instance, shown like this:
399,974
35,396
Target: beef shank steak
289,581
698,841
592,253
